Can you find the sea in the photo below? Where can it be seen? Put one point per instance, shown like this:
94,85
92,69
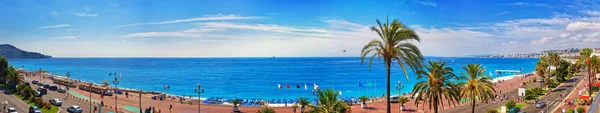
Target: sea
257,78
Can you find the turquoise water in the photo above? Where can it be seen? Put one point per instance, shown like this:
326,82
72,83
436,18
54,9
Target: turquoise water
252,77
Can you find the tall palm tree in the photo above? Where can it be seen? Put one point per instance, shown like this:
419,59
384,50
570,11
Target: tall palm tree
476,85
395,45
554,60
329,103
436,85
540,69
585,55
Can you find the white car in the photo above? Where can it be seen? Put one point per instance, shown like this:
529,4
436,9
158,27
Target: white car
56,102
12,110
74,109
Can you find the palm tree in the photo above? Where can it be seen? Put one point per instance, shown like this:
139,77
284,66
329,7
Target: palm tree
402,100
294,107
436,85
585,55
364,100
329,103
540,69
554,60
303,102
477,85
13,78
266,110
395,45
235,103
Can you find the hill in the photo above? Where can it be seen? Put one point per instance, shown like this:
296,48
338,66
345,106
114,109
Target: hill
11,52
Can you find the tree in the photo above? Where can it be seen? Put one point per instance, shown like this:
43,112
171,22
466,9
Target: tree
329,103
13,78
294,107
364,100
510,104
395,45
303,103
554,60
235,103
266,110
402,100
584,55
476,85
3,71
436,85
540,69
562,70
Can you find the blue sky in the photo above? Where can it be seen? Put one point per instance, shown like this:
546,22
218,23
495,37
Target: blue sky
255,28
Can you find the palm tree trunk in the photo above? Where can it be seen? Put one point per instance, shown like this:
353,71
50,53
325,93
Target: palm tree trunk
473,103
590,80
388,66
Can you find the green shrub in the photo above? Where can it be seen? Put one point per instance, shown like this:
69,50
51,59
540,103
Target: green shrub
594,88
580,109
492,111
570,110
510,104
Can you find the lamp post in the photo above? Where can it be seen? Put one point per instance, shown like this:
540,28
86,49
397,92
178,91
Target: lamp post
116,82
90,88
140,100
399,87
199,91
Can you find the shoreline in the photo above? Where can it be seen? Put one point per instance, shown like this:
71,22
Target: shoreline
132,90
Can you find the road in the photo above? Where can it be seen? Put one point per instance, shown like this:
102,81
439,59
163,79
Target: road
69,101
13,102
553,98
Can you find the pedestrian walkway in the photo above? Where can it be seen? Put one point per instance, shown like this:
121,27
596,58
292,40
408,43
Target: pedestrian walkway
81,96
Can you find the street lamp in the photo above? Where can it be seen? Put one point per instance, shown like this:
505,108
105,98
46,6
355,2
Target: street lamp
140,100
90,90
116,82
399,87
199,91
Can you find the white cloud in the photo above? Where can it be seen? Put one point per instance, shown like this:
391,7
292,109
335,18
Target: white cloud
527,4
591,13
343,24
427,3
54,26
501,13
83,14
581,26
70,37
204,18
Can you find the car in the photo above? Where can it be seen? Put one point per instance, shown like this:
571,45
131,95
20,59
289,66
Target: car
53,88
39,94
27,83
61,90
540,104
34,81
394,99
12,110
40,84
43,91
34,109
46,86
56,102
74,109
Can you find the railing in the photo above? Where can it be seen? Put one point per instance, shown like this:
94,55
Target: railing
595,105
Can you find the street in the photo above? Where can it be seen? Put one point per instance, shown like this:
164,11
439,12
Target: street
13,102
69,101
553,98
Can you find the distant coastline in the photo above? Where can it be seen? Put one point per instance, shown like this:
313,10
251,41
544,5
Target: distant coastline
11,52
564,53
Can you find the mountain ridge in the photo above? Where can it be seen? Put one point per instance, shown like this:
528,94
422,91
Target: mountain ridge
11,52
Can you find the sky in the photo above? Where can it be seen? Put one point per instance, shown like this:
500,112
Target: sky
292,28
